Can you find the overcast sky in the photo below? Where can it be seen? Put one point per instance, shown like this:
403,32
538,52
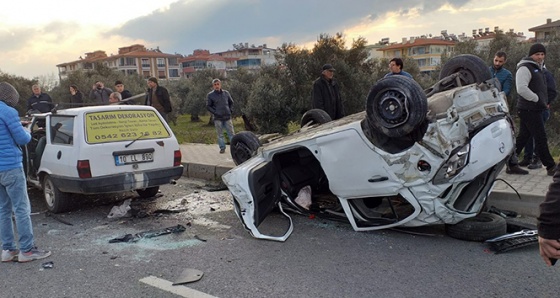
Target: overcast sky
36,35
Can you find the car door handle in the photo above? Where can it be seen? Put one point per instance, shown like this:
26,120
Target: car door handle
378,179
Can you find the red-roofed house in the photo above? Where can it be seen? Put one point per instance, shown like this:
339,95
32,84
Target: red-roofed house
425,51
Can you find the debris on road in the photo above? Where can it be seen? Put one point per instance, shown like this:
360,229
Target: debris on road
148,234
121,210
188,275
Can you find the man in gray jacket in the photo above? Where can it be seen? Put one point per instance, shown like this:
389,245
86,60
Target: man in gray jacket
532,100
220,104
100,93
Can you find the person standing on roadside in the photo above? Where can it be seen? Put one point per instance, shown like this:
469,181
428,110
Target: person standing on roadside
119,86
77,98
396,68
220,104
158,97
39,101
326,93
534,161
531,102
13,185
99,93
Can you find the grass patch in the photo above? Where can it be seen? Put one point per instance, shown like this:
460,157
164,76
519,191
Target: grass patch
200,132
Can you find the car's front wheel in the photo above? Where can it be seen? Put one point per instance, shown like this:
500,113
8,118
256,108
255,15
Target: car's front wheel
57,201
479,228
148,192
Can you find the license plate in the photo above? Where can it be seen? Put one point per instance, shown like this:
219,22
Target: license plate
121,160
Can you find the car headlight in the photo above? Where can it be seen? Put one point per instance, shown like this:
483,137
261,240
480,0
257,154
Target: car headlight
454,165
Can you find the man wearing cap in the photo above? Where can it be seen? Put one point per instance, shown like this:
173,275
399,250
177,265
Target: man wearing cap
326,93
13,187
532,99
396,67
158,97
220,104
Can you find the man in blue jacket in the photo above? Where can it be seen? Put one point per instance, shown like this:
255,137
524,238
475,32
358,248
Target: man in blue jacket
499,72
220,104
13,187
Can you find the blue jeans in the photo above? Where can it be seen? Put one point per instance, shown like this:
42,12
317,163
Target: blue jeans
13,197
220,126
530,147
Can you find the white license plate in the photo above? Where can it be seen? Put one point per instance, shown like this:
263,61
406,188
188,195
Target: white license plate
121,160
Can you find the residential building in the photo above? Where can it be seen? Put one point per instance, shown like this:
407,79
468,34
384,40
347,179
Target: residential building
484,38
425,51
249,57
131,60
546,32
202,59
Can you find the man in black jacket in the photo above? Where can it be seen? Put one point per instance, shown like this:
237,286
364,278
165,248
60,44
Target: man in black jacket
326,93
158,97
549,222
220,104
39,101
119,86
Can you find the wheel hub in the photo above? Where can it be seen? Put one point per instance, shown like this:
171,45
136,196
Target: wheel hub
393,108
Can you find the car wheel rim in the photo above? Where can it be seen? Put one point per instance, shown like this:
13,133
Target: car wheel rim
242,152
49,193
392,108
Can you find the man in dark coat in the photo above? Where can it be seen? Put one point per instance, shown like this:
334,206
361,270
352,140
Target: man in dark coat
158,97
220,104
39,101
326,93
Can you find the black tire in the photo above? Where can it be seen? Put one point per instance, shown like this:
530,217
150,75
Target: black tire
148,192
315,116
396,106
243,146
479,228
472,69
56,200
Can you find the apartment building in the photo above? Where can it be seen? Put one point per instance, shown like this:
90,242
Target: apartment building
131,60
425,51
248,57
202,59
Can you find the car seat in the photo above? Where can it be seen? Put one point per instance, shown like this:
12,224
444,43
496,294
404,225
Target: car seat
39,152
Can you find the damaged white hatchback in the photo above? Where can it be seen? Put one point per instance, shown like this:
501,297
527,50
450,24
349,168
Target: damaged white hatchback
414,157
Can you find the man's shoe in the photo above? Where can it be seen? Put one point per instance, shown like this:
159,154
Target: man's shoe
516,170
550,171
33,254
535,164
222,151
10,255
525,162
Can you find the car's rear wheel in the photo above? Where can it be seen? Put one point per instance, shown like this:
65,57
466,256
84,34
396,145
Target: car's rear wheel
148,192
56,200
243,146
471,67
396,106
314,116
479,228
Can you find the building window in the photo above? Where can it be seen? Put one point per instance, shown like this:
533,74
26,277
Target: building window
131,72
173,61
160,62
173,73
127,62
146,74
161,74
145,63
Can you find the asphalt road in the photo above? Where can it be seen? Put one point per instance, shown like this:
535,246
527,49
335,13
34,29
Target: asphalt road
320,259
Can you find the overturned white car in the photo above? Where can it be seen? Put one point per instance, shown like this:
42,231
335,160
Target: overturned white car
413,158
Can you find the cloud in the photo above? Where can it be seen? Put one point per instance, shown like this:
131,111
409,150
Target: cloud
215,24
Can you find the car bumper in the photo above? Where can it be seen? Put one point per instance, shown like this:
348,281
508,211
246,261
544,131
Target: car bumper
116,183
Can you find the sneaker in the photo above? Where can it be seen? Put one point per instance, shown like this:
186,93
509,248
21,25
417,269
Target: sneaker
222,151
525,162
33,254
535,164
10,255
549,171
516,170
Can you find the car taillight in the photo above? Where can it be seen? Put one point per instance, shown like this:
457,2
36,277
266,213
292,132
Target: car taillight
84,170
177,158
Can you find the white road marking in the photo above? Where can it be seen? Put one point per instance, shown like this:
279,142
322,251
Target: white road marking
169,287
